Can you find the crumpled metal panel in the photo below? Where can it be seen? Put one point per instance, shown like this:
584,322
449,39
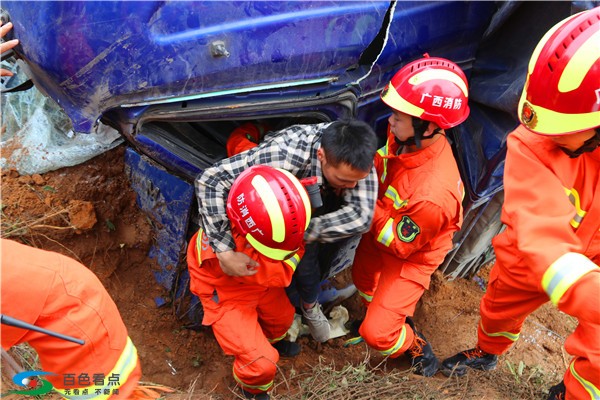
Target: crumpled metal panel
167,200
97,55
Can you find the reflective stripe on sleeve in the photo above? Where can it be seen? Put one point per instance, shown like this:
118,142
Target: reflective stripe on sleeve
563,273
387,233
293,261
392,194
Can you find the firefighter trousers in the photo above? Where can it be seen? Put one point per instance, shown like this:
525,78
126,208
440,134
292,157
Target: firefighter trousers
511,297
389,297
251,318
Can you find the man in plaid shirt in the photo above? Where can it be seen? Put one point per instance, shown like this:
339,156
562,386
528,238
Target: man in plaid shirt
340,155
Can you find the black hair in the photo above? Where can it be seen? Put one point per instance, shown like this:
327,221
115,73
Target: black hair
351,142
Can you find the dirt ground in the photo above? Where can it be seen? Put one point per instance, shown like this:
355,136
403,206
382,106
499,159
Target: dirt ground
89,212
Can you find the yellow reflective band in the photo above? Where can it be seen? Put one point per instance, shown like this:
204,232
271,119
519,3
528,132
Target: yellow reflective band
269,199
580,63
510,336
263,388
397,102
587,385
387,233
353,341
275,254
303,194
575,200
276,339
384,173
123,368
199,246
398,345
563,273
392,194
384,152
365,296
439,74
293,261
555,123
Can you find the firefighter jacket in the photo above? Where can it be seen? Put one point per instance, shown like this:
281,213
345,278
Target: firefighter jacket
418,205
551,211
55,292
208,276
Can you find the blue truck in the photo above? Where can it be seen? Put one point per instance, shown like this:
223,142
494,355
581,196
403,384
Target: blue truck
175,78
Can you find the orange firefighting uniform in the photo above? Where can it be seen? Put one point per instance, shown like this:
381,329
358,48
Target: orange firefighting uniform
418,210
247,313
245,137
550,250
55,292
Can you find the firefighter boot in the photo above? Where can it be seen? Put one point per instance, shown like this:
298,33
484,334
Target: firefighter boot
421,353
256,396
287,349
558,392
472,358
317,322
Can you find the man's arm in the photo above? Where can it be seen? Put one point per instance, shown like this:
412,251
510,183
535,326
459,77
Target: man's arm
289,149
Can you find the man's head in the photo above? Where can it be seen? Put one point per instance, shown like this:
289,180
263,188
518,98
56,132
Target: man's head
561,97
271,208
346,153
431,93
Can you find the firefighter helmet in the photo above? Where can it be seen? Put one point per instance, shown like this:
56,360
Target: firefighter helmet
562,90
431,88
271,208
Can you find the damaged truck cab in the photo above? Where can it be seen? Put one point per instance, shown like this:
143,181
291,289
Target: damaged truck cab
175,79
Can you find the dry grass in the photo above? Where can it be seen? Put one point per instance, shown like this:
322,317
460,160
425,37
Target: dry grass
362,382
16,227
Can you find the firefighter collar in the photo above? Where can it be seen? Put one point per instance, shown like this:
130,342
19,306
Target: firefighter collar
419,157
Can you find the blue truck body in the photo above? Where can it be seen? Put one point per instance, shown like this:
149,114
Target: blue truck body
176,77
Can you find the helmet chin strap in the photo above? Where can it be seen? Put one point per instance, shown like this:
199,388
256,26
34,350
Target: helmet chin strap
588,146
419,126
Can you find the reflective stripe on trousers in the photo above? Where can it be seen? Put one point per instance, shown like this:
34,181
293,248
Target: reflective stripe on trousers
510,336
123,368
263,388
399,343
587,385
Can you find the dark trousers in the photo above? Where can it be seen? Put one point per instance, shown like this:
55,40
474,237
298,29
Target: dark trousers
307,278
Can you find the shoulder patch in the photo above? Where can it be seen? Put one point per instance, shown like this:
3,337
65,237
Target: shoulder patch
407,229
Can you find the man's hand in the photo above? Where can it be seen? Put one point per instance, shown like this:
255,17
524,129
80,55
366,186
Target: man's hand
5,46
237,264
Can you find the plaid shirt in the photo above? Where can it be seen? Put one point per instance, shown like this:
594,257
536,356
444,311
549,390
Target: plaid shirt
295,150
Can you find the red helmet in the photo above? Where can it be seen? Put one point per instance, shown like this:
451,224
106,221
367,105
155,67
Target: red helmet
271,208
433,89
562,91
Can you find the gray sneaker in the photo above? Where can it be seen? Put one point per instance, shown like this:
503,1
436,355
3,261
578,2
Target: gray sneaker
317,323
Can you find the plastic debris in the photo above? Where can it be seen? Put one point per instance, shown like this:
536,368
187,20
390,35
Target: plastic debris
338,316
